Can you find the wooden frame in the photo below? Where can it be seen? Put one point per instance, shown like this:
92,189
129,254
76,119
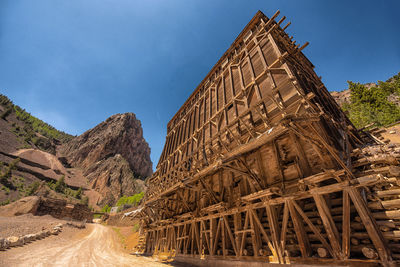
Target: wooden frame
260,163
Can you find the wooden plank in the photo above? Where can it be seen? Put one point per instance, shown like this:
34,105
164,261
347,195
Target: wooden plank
371,226
302,157
346,225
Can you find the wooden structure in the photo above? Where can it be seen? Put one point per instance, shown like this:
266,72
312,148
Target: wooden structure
260,163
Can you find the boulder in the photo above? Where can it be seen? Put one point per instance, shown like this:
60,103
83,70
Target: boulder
4,244
30,238
40,235
54,231
15,241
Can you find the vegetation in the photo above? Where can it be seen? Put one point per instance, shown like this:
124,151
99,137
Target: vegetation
5,113
61,187
106,209
32,188
85,201
375,104
5,175
6,202
32,124
132,200
124,200
136,227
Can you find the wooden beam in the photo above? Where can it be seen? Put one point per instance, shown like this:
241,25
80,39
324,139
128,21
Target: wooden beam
228,230
274,230
346,225
301,234
329,225
371,226
264,233
285,220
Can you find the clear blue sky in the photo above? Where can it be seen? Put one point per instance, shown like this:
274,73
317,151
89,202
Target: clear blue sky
73,63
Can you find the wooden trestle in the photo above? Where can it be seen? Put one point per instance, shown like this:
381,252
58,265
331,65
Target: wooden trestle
260,163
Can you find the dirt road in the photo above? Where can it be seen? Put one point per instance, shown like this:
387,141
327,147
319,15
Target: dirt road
98,246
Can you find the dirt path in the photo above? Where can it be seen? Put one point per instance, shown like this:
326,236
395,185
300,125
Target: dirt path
99,246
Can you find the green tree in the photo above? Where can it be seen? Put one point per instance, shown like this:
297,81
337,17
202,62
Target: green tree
372,105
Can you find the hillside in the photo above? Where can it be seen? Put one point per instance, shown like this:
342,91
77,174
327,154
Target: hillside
97,168
371,103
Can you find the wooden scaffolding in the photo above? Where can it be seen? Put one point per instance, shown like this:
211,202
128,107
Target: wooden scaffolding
261,164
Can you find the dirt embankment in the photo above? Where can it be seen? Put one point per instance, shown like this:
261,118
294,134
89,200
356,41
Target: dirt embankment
57,208
26,224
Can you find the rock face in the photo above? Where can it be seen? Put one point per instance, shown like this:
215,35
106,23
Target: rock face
113,178
120,134
342,97
111,155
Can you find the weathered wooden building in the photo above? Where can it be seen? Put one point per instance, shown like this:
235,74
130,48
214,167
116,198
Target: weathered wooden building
261,164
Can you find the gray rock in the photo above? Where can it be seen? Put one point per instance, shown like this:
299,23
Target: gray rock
15,241
30,238
4,244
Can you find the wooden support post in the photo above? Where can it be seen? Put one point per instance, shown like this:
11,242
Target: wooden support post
301,234
213,231
216,237
237,222
329,225
371,226
244,233
313,228
274,229
228,230
346,225
254,233
285,220
223,240
264,233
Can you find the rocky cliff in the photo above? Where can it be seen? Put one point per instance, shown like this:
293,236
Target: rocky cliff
111,156
120,134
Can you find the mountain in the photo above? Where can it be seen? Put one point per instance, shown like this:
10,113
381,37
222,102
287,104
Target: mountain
119,134
111,155
98,167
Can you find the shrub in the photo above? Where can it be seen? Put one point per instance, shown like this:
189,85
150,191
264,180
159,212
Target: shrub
60,185
6,113
32,188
